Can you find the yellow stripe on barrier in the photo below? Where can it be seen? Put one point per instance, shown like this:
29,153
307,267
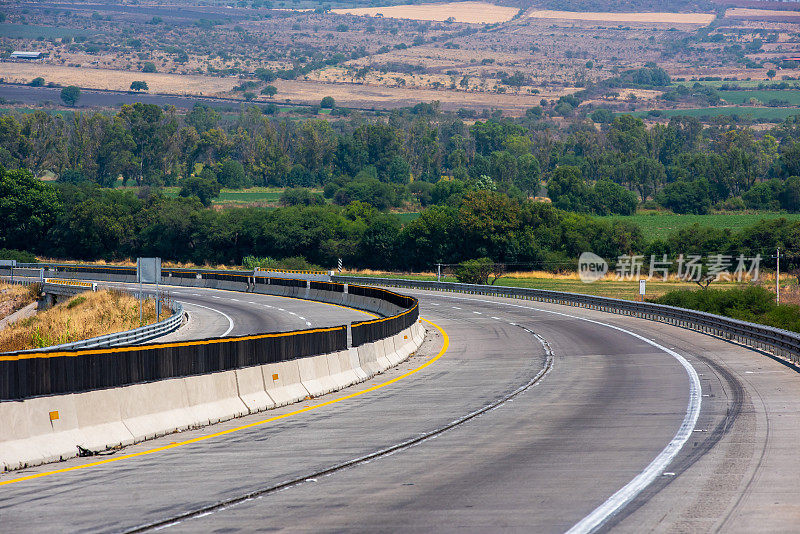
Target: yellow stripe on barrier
64,282
442,351
28,356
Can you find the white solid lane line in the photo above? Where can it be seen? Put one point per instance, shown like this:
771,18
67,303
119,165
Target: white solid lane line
627,493
228,317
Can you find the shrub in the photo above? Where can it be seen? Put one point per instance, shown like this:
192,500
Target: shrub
754,303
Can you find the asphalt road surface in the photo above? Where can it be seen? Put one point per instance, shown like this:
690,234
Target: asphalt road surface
566,438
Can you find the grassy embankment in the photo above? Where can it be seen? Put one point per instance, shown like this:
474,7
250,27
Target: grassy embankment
87,315
13,298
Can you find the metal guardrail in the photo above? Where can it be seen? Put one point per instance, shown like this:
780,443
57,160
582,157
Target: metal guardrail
776,341
128,337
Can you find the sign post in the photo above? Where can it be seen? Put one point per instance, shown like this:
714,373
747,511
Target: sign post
642,289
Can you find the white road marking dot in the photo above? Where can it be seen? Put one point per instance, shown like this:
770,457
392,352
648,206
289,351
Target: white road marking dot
496,318
308,324
477,313
456,308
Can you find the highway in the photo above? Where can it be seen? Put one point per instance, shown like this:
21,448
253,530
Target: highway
580,405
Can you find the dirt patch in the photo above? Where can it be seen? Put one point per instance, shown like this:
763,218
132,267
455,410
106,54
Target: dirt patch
649,18
467,12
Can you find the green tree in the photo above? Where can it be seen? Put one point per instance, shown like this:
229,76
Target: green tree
789,196
70,95
269,90
205,189
602,115
149,66
478,271
37,82
139,86
569,191
231,174
328,103
28,209
613,199
686,197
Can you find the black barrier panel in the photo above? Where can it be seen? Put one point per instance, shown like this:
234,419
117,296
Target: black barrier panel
369,331
96,269
288,282
85,370
328,286
228,277
382,294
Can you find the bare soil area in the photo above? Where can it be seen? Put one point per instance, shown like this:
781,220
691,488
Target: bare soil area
466,12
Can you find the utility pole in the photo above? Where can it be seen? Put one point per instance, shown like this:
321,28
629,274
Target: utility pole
778,276
438,272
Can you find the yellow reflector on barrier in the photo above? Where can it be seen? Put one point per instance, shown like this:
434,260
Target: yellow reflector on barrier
53,416
275,376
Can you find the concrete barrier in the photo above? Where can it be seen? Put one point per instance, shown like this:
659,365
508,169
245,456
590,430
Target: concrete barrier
46,429
282,383
252,390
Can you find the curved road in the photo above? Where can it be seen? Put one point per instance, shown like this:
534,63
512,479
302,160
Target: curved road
611,400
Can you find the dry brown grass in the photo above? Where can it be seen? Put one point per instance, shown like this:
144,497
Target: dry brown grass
13,298
649,18
85,316
746,13
467,12
117,80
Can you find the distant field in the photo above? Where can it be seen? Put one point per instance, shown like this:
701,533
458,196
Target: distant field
743,97
626,289
467,12
255,194
741,111
652,18
660,225
23,31
745,13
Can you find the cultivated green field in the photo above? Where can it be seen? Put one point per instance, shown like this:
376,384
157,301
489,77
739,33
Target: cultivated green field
740,111
660,225
743,97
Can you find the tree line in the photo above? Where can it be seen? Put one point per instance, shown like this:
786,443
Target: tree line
385,161
87,222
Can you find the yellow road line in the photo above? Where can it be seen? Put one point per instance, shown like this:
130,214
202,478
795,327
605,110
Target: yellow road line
445,345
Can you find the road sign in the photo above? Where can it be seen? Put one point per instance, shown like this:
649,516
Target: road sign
642,288
148,270
340,264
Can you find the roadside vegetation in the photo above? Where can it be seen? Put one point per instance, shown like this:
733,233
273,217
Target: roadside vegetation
87,315
15,297
754,304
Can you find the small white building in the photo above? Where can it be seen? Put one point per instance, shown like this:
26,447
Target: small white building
18,54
